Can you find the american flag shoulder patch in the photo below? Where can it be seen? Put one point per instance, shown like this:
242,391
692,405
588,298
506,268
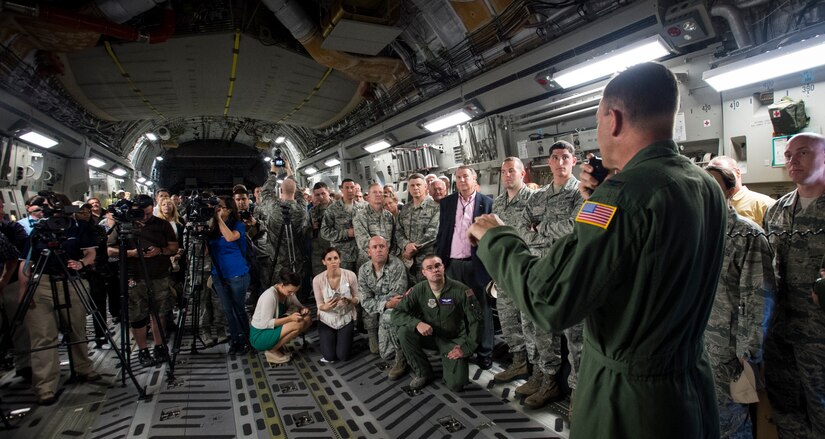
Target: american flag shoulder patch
596,214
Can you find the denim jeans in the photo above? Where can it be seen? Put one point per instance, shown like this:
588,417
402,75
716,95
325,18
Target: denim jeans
232,293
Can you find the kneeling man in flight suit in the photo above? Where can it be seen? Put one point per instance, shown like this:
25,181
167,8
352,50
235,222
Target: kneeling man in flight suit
440,314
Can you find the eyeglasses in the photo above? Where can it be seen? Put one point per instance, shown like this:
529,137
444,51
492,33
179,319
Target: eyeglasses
35,210
434,267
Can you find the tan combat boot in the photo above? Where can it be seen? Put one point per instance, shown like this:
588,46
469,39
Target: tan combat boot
549,391
532,385
399,369
516,370
373,338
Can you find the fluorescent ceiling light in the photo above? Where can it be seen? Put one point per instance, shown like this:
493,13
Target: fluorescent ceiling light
447,121
96,162
38,139
150,183
267,159
120,172
649,49
159,158
377,146
141,180
773,64
332,162
151,136
280,139
310,170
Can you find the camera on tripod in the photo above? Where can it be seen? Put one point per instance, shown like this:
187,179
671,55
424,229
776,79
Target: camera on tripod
127,211
55,217
200,208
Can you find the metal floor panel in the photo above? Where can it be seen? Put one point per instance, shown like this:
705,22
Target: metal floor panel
216,395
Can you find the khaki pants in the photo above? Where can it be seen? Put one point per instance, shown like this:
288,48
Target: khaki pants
20,338
41,320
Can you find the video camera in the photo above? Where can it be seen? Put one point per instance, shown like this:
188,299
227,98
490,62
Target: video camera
277,158
200,208
55,214
245,215
127,211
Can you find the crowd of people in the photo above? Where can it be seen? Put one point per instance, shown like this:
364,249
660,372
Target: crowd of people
660,282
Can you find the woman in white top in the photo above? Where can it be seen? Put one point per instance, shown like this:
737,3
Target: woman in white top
279,317
336,294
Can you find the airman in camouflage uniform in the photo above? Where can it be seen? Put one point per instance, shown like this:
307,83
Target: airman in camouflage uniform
337,227
795,347
741,308
381,282
509,206
550,215
270,212
417,227
371,221
320,201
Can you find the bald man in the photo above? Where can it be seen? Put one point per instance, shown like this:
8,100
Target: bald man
795,348
285,218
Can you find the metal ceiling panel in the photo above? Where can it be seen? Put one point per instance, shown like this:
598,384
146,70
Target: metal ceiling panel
190,75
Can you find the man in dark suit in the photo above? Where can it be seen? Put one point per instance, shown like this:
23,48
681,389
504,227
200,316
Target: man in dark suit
457,213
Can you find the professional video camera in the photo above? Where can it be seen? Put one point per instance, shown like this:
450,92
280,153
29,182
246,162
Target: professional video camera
127,211
55,214
200,208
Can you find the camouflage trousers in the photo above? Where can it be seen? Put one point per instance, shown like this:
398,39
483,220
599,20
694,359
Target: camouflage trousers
510,318
543,347
575,339
795,379
387,337
735,421
349,255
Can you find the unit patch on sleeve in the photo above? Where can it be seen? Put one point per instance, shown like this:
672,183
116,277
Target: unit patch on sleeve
596,214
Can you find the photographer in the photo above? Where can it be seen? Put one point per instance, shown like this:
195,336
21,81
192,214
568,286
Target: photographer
158,242
285,218
257,233
78,248
230,273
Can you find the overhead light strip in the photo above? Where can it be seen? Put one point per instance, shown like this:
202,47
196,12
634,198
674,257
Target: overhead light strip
794,58
128,79
95,162
648,49
39,139
447,121
232,76
377,146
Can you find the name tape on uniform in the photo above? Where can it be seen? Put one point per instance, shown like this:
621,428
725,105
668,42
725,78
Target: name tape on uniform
596,214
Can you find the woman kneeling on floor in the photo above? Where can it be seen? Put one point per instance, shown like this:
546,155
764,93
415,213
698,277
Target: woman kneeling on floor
279,317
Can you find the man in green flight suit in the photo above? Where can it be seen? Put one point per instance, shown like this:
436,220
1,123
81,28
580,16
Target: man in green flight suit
640,267
440,314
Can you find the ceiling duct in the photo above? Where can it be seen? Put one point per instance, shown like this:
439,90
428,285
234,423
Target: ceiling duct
63,31
378,69
361,26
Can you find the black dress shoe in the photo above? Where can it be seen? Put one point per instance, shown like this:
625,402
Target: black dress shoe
49,400
90,378
484,363
24,373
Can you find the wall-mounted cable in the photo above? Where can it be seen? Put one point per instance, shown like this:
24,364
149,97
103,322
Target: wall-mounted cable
128,79
236,49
